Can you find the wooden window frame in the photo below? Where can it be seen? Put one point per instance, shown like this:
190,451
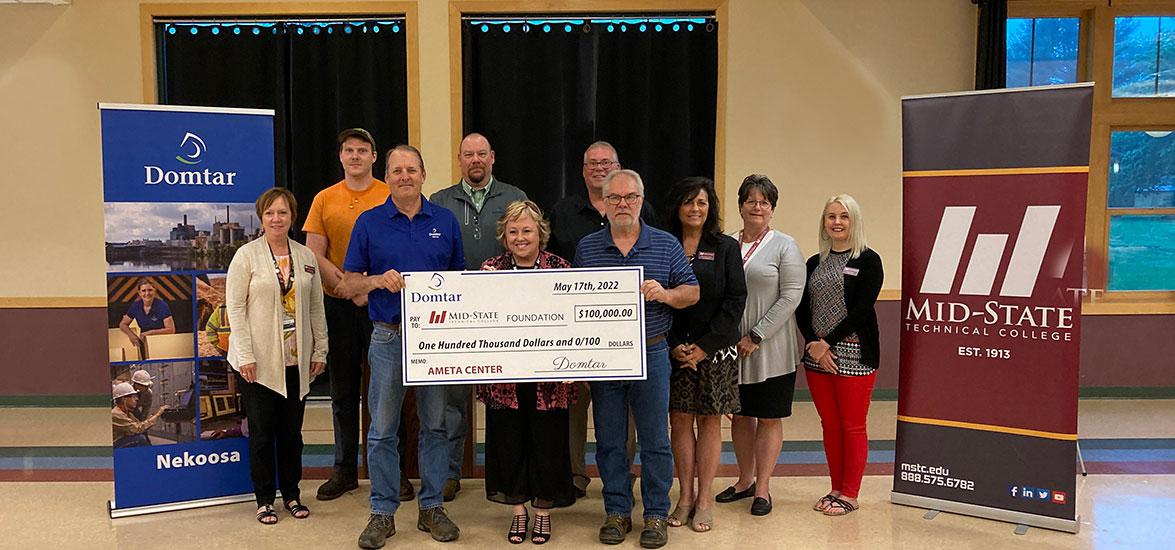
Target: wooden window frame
1096,63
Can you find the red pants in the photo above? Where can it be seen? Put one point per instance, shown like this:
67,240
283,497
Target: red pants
843,404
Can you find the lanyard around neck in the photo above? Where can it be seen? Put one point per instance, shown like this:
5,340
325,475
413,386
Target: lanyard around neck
287,284
754,245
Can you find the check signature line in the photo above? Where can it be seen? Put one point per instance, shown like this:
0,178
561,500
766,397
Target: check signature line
519,350
585,370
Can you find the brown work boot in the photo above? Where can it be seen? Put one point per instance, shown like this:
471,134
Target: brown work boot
614,529
337,486
407,491
655,534
450,490
437,523
379,528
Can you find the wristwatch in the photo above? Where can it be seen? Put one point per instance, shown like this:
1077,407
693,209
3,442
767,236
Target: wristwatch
755,338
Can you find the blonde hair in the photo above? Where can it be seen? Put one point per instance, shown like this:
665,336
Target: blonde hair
856,227
515,211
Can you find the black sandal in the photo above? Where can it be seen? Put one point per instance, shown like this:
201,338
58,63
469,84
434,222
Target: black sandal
542,529
822,504
266,515
840,507
517,533
297,510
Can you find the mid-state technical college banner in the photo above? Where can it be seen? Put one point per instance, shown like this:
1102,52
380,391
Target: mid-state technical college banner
179,185
993,240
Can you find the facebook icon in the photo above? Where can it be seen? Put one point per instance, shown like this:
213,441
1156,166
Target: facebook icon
1014,491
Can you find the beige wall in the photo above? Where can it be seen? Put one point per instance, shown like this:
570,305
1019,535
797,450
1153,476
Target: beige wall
812,100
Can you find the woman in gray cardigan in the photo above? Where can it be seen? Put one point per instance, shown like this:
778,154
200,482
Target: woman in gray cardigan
768,351
273,296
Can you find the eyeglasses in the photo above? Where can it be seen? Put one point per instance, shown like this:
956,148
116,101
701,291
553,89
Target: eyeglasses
760,204
605,164
614,200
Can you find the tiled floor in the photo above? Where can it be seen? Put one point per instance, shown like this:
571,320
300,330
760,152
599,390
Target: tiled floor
1118,507
1116,512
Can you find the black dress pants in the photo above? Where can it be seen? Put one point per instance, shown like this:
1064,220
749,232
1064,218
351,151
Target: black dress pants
349,331
275,437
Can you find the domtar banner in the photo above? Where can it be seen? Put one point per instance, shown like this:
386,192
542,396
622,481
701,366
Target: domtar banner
993,239
179,186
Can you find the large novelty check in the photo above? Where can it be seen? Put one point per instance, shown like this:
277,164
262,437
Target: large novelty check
473,327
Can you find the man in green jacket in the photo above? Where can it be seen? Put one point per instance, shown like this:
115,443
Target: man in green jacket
478,200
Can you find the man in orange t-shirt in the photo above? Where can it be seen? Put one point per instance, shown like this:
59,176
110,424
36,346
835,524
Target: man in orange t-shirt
328,232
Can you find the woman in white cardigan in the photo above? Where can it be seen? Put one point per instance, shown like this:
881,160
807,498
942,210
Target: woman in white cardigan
278,345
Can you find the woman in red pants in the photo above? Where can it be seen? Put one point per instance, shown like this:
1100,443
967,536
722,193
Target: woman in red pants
842,351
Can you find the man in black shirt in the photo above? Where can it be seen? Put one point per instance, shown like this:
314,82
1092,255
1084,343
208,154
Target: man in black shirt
573,218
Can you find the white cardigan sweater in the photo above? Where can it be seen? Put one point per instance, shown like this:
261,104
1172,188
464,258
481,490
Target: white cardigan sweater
254,309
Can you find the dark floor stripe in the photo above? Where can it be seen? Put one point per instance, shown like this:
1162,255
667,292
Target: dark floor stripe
725,470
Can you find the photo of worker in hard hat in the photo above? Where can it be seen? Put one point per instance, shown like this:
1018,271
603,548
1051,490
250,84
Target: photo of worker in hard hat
163,407
128,430
213,315
141,380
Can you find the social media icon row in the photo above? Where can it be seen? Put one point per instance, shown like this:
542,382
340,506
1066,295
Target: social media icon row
1034,493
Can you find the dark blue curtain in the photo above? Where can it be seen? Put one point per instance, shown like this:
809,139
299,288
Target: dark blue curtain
543,90
319,76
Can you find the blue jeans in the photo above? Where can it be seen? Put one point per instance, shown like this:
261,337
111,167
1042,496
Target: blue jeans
385,396
649,400
456,425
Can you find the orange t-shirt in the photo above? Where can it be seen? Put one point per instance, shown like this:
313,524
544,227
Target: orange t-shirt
333,214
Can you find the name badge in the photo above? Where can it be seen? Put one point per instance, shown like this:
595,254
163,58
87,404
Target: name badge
309,269
851,271
705,256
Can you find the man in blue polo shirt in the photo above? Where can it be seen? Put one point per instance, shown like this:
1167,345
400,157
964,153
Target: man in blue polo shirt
669,283
406,233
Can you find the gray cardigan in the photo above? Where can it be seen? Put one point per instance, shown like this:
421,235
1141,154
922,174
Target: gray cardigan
775,285
479,230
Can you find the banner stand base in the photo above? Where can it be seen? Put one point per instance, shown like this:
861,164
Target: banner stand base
173,506
1009,516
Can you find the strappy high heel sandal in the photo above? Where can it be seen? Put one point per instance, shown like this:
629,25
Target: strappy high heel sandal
542,529
517,533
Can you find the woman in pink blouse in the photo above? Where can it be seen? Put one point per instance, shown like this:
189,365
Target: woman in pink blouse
527,457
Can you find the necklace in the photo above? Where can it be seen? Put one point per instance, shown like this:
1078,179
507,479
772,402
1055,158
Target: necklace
284,284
